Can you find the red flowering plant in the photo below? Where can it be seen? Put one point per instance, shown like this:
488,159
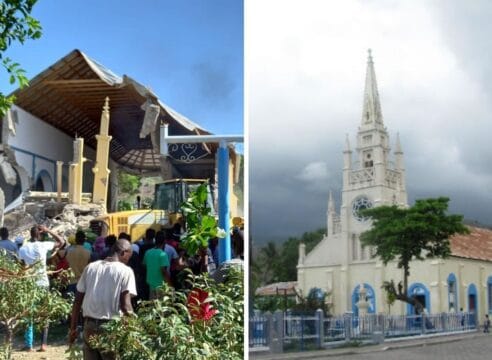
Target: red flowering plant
199,305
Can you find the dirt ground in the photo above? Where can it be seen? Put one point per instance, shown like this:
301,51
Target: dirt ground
57,345
54,352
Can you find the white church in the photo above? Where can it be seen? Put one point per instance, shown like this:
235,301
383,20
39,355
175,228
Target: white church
339,264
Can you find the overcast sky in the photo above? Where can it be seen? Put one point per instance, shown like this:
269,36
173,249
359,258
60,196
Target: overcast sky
306,63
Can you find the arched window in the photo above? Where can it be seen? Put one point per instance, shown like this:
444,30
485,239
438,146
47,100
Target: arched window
370,298
452,293
43,181
423,296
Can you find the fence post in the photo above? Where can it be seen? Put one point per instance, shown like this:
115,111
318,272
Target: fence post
445,325
277,338
383,325
268,329
347,322
302,333
320,331
422,320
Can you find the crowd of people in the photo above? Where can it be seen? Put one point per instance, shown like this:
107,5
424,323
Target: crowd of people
110,275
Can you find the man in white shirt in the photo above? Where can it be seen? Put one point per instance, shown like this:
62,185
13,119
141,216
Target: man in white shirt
36,251
104,291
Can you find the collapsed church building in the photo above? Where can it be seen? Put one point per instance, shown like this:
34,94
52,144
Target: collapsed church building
75,126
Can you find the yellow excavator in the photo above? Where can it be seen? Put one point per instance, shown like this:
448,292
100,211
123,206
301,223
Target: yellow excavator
165,212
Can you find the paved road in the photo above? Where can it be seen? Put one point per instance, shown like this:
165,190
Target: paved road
452,347
477,348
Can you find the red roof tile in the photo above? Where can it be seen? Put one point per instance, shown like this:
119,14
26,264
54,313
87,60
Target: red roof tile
475,245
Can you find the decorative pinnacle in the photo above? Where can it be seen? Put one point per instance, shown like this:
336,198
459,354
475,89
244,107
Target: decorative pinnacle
331,203
347,143
398,145
106,104
369,55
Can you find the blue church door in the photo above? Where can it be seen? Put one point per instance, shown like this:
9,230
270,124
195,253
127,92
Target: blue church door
472,303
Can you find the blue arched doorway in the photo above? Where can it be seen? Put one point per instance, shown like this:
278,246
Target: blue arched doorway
43,181
472,302
423,296
453,305
370,298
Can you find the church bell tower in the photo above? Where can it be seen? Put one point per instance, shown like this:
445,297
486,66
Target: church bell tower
373,179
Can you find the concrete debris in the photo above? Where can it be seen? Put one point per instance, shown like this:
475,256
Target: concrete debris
62,218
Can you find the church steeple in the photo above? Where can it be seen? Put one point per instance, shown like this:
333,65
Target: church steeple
371,111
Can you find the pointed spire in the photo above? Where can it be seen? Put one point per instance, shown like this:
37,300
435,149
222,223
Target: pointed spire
347,143
331,203
371,112
398,145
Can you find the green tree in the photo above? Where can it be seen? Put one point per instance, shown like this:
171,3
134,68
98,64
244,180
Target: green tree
128,184
273,263
287,265
23,299
201,224
16,25
416,233
316,299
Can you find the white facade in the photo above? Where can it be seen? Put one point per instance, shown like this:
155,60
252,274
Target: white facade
38,146
339,265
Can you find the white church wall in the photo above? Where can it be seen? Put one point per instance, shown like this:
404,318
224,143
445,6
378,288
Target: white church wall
384,184
39,145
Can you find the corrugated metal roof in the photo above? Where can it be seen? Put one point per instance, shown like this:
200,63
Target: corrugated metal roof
70,94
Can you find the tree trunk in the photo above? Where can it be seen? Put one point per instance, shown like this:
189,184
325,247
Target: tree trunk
9,337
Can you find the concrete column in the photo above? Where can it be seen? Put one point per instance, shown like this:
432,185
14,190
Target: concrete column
77,172
302,253
277,343
59,173
100,169
344,296
435,293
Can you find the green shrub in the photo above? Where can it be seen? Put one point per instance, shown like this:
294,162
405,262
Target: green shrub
170,328
23,299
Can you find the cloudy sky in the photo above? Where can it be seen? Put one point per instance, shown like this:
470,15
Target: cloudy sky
306,63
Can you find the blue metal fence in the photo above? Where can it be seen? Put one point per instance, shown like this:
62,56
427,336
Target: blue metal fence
258,330
302,332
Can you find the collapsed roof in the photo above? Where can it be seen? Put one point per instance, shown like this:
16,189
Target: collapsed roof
70,94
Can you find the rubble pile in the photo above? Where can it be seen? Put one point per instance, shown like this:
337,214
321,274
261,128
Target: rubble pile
62,218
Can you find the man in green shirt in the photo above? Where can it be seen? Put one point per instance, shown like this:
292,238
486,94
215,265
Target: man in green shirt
156,262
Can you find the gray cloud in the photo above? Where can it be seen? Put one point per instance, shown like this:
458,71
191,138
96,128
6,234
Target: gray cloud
306,87
215,84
